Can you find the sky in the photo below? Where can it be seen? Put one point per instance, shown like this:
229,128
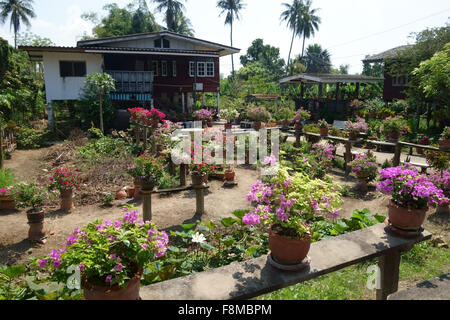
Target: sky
350,29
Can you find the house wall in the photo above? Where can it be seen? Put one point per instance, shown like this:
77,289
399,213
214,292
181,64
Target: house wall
149,43
67,88
391,92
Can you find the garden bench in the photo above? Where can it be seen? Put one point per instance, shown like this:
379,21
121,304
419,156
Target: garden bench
339,124
423,167
252,278
435,289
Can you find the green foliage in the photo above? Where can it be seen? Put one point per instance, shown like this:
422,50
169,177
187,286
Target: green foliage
166,181
108,198
29,195
7,178
438,160
104,146
29,138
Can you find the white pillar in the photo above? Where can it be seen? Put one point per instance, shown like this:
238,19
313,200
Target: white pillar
218,102
182,102
51,116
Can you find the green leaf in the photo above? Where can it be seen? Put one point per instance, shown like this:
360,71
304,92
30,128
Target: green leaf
379,218
173,249
228,222
126,243
211,225
188,226
206,246
240,213
13,271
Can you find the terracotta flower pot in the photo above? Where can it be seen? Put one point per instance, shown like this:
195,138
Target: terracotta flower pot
7,203
324,132
67,200
405,219
209,124
393,136
257,125
137,188
298,127
121,194
130,192
352,135
444,144
287,250
228,126
198,178
148,185
36,222
130,292
229,175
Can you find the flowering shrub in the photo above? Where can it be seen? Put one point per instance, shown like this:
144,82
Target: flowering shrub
287,201
324,152
301,115
441,179
409,189
145,116
229,114
64,179
323,124
446,133
4,192
203,114
359,126
156,115
365,165
163,133
423,140
29,195
394,125
107,252
259,114
147,168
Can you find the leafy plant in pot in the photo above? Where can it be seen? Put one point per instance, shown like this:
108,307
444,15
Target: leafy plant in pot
300,116
110,255
146,171
441,179
65,181
323,126
258,115
354,128
393,127
412,194
230,115
444,142
32,195
365,168
7,202
285,205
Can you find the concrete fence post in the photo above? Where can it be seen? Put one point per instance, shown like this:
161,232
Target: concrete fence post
389,265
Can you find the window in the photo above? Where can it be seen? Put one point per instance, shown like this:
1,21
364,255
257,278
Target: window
162,43
174,68
192,69
401,81
155,68
164,68
72,68
210,69
157,43
201,66
166,43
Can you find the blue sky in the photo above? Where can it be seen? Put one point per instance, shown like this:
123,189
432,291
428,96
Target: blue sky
350,29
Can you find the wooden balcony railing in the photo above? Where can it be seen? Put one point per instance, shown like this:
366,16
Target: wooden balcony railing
132,81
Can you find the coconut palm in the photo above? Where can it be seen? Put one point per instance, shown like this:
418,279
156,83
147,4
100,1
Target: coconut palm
308,22
20,11
182,24
232,9
317,60
171,8
291,15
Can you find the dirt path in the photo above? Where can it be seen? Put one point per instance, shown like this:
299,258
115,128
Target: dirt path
25,164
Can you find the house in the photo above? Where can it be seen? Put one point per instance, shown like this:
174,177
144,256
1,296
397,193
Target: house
394,85
163,69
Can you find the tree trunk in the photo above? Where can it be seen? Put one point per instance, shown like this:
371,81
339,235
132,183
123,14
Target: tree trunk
232,59
101,111
290,50
303,47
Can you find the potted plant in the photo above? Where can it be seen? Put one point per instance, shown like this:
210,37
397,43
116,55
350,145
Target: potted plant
7,201
146,171
200,173
155,116
323,125
365,168
355,128
393,127
313,128
32,195
284,205
422,140
110,256
441,179
300,116
65,181
230,115
444,142
258,115
412,194
229,173
204,115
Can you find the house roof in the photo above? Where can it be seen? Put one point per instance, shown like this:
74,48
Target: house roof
330,78
222,49
388,54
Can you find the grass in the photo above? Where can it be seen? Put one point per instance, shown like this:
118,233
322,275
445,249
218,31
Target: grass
422,263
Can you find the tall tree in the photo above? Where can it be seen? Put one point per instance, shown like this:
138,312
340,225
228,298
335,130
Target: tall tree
292,16
20,11
171,8
308,22
267,55
182,24
316,59
232,9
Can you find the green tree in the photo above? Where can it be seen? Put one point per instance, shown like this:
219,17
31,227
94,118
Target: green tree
102,83
31,39
267,55
308,22
170,8
316,60
19,11
232,10
292,16
182,24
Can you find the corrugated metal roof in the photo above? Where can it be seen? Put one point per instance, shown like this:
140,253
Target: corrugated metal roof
330,78
388,54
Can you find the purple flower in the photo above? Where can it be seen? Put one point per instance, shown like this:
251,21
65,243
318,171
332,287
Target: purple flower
108,278
56,264
82,267
144,246
251,219
42,263
118,267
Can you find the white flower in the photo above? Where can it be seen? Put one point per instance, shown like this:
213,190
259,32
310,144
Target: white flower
198,238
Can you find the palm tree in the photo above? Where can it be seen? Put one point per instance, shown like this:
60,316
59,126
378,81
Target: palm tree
171,7
20,11
232,8
317,60
308,22
291,15
182,24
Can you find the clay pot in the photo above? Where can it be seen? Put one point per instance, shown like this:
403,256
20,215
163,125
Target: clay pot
198,178
36,222
7,203
298,127
257,125
444,144
324,132
419,150
393,136
137,188
209,124
287,250
229,175
67,200
121,194
362,175
228,126
353,135
147,185
130,192
405,219
130,292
